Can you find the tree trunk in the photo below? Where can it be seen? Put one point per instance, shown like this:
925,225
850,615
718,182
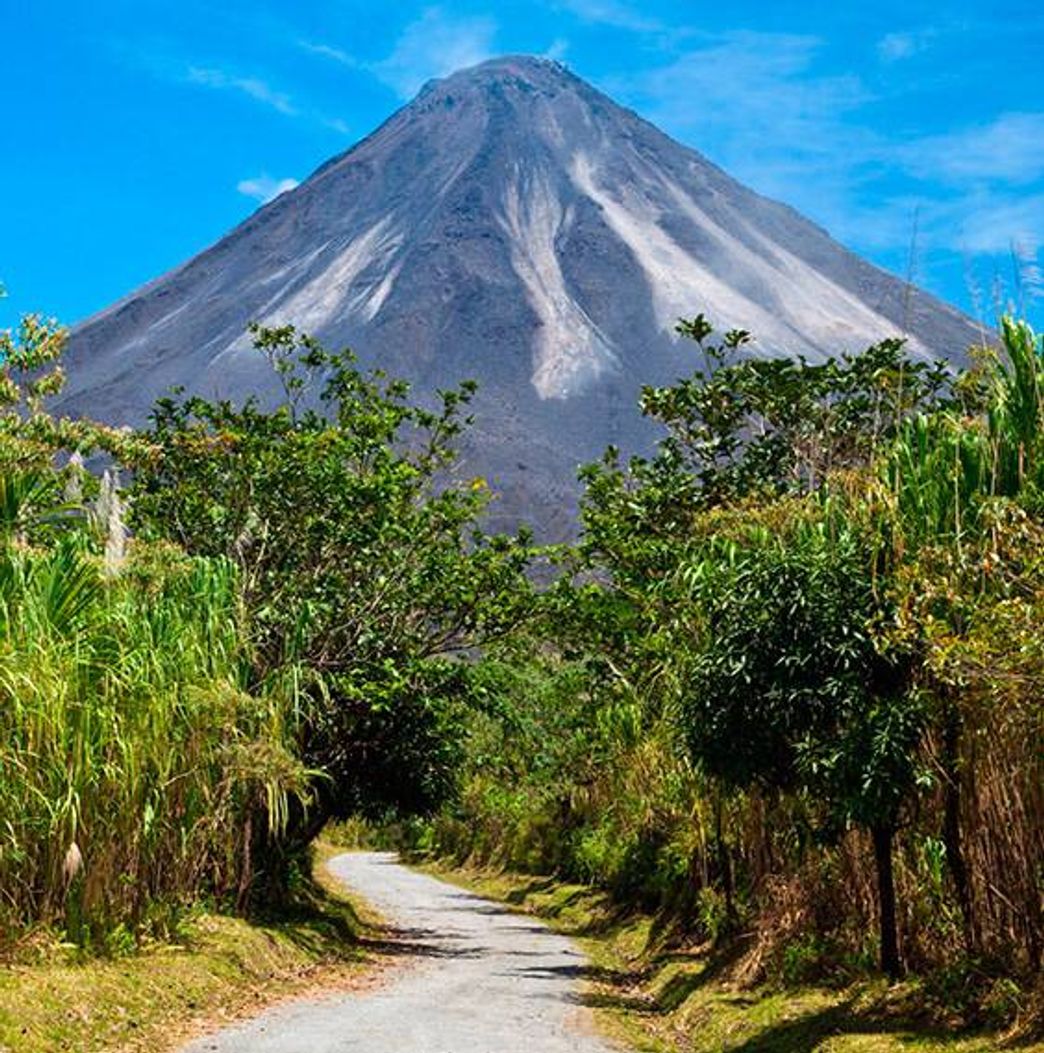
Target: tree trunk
725,865
275,856
891,964
952,823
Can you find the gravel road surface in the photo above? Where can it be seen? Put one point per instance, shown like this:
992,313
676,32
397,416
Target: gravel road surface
480,980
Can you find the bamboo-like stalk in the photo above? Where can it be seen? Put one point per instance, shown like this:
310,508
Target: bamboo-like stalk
130,753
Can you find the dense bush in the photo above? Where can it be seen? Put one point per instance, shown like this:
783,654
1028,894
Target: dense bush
363,575
792,679
279,645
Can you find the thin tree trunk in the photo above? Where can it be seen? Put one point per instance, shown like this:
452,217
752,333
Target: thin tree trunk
891,964
724,864
275,856
246,869
951,832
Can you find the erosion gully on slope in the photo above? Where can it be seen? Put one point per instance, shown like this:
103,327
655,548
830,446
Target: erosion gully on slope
488,981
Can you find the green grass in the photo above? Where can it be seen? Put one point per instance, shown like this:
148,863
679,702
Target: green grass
659,997
56,998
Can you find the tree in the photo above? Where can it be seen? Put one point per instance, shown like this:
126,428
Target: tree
789,690
30,374
783,425
770,644
743,430
364,575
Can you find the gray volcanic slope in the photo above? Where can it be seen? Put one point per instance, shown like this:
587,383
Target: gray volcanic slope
513,225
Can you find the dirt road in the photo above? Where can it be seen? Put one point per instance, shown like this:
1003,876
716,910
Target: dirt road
481,980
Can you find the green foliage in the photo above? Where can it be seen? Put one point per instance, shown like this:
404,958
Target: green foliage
786,658
360,563
767,426
30,373
787,683
27,500
804,664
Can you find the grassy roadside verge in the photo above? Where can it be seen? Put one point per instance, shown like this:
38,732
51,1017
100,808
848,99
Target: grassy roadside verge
659,998
224,968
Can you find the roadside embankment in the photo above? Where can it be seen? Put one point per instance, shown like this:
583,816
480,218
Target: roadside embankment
658,993
52,998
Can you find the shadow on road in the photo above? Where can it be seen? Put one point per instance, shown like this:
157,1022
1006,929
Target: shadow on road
415,943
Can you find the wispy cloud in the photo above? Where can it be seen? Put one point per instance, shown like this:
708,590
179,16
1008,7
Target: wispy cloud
253,87
756,101
613,13
760,106
260,91
329,51
1008,149
336,124
972,224
264,188
557,49
904,44
435,45
993,222
748,81
982,187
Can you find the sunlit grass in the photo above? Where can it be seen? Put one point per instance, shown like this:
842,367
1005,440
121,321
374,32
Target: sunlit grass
660,996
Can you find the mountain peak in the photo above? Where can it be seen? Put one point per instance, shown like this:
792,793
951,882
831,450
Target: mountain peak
531,70
514,225
518,80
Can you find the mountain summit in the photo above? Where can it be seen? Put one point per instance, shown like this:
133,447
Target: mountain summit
514,225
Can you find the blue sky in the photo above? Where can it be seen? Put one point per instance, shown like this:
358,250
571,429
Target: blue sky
137,133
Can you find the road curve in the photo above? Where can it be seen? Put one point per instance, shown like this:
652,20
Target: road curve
486,981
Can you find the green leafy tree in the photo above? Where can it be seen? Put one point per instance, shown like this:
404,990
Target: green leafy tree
776,425
30,374
363,572
747,428
789,689
770,649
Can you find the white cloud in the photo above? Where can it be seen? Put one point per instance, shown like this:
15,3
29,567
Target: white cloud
338,125
750,82
557,49
982,184
974,223
260,91
994,223
435,45
756,103
1009,149
264,188
256,89
613,13
894,47
330,52
1028,263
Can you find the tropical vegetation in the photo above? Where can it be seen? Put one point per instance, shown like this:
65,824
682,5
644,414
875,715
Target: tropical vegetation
784,689
787,688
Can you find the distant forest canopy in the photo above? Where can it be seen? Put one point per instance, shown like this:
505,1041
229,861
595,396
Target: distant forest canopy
786,683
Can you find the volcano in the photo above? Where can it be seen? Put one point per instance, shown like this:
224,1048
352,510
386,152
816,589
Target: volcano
516,226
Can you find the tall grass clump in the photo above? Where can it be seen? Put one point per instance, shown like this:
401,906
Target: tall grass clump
134,762
967,537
